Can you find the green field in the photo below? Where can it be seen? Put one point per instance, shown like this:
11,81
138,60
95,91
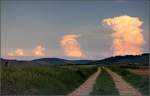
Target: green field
63,79
104,85
139,82
44,80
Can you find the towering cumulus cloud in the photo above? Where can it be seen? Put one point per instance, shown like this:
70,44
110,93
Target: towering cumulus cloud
71,46
39,51
127,35
19,52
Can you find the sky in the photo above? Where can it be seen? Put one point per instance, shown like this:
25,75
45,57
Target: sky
69,29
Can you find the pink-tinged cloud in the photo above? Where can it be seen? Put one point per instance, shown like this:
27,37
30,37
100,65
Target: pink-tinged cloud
71,46
19,52
11,54
39,51
127,35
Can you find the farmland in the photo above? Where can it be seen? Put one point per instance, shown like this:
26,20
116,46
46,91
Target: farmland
39,80
64,79
138,81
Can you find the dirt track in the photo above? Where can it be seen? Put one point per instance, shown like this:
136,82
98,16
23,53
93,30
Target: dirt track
124,88
87,86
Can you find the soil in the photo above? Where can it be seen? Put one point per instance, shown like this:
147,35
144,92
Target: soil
124,88
87,86
141,72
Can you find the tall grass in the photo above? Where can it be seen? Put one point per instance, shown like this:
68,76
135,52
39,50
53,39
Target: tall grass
43,80
104,85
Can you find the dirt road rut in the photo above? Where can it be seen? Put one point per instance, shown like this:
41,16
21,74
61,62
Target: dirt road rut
124,88
87,86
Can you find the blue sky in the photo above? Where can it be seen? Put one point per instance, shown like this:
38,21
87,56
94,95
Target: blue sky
26,24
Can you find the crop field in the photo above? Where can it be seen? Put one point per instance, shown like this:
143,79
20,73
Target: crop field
141,72
43,80
64,79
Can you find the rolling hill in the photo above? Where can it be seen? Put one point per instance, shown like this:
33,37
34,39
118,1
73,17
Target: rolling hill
128,59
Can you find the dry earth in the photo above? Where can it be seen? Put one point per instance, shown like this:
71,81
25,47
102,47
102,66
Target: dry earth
141,72
124,88
87,86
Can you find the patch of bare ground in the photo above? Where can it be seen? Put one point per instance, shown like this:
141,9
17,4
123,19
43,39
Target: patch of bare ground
141,72
87,86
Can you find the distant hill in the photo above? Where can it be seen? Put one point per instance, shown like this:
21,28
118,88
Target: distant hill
128,59
60,61
52,61
14,62
43,61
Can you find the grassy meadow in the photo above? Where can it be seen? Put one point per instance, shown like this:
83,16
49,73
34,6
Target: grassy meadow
44,80
63,79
